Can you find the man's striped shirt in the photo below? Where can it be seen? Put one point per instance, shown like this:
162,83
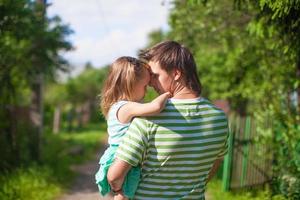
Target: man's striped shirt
176,148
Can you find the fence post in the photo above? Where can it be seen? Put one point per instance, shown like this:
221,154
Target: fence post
245,151
227,163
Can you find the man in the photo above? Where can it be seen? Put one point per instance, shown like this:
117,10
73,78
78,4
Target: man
180,148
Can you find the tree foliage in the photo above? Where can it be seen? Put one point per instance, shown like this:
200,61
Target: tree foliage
22,56
29,45
77,91
87,85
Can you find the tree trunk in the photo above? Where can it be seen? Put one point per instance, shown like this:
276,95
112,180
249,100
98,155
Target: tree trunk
298,78
36,111
12,136
70,118
36,108
56,119
79,110
86,112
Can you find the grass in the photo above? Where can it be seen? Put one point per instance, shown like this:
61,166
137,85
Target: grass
34,182
52,176
215,193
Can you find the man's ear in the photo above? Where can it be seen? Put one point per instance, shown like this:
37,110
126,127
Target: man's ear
177,75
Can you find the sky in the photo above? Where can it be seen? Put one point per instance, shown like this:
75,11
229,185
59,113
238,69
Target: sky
107,29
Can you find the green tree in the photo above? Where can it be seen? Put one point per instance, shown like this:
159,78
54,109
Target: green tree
77,98
278,22
216,34
29,46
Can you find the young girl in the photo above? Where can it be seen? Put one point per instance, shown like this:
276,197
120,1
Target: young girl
121,95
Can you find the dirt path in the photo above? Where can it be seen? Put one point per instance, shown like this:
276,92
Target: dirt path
84,187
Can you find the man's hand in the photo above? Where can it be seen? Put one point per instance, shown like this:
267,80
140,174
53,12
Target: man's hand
116,174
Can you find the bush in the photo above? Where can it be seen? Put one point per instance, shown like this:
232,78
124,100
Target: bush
47,179
283,139
33,183
215,192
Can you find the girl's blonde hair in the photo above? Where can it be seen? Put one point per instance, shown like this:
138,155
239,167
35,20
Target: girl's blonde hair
124,73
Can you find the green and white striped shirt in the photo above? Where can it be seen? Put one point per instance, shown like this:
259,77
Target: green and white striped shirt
176,148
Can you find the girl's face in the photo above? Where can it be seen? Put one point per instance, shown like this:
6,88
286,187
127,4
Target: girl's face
139,90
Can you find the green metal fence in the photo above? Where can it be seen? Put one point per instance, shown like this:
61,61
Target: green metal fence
246,163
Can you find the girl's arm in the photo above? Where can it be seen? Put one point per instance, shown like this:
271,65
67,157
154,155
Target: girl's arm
134,109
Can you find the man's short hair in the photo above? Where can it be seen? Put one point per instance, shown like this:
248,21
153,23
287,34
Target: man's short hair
172,55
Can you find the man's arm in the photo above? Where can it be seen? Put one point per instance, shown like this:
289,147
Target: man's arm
117,173
129,153
219,159
214,168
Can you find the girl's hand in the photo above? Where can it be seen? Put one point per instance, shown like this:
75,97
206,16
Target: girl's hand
120,196
160,101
